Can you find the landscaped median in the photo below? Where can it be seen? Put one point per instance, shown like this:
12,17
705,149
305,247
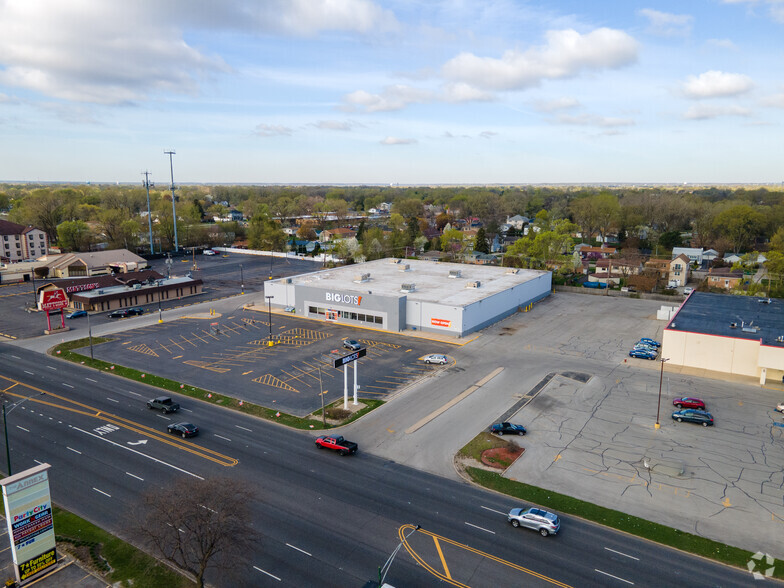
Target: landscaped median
66,351
561,503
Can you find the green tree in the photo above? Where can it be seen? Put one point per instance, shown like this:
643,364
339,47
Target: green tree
741,224
777,240
74,235
480,241
452,241
265,233
670,239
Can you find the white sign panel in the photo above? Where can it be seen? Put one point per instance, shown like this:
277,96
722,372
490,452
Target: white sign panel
28,513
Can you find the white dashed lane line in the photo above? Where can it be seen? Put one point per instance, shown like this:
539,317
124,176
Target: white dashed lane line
298,549
102,492
623,554
611,576
52,368
91,380
480,528
67,385
244,429
493,510
163,417
112,399
265,572
224,438
25,430
133,476
74,450
31,373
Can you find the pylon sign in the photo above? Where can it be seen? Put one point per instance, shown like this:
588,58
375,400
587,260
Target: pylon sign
53,299
341,361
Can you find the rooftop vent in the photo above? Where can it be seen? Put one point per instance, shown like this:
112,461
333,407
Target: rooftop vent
511,270
780,339
733,325
408,287
750,329
454,273
393,260
287,281
137,286
475,284
359,278
404,267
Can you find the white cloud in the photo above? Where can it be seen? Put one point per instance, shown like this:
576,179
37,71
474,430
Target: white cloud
594,120
487,134
335,125
556,104
722,44
462,92
775,100
397,141
394,97
565,54
6,99
775,7
265,130
716,84
667,24
307,17
709,111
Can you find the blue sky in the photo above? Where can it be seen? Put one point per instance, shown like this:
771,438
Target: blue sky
392,91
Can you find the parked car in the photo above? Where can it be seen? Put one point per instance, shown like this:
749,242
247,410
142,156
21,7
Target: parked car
687,290
351,344
436,358
652,348
209,252
642,354
163,403
76,314
501,428
689,402
691,415
138,310
119,313
649,341
780,408
537,519
184,429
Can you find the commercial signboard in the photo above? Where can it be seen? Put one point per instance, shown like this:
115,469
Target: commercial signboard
53,299
341,361
28,514
437,322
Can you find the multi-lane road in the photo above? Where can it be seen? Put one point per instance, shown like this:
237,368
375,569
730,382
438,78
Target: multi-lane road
324,520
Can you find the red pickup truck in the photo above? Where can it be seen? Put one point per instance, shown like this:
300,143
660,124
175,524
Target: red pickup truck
337,443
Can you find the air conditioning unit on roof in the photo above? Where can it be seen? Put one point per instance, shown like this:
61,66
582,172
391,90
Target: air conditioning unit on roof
475,284
359,278
408,287
404,268
454,274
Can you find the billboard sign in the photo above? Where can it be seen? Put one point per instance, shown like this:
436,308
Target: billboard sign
28,514
341,361
53,299
437,322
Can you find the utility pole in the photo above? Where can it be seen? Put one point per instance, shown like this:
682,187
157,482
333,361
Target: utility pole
174,209
148,184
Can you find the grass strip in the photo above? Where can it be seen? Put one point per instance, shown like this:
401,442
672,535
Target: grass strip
484,441
130,566
67,351
608,517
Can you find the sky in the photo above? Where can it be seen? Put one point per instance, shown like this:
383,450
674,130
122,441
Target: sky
392,91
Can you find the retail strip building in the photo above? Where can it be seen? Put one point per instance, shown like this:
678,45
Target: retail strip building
395,295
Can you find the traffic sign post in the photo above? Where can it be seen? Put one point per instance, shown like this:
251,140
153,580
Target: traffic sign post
344,361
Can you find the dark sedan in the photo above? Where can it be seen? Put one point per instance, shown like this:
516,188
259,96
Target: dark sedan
76,314
691,415
184,429
120,313
508,428
689,402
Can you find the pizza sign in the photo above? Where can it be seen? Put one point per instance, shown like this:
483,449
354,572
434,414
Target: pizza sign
53,299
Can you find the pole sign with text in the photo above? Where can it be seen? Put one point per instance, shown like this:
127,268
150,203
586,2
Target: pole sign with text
341,361
28,514
53,299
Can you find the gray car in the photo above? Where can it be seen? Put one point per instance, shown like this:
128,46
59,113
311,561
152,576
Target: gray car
535,518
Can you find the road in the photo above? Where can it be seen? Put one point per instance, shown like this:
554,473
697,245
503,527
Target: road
324,520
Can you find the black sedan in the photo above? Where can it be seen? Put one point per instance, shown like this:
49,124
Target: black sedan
119,313
184,429
691,415
509,428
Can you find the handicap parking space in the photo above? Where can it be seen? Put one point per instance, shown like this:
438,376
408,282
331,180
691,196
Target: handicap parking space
231,354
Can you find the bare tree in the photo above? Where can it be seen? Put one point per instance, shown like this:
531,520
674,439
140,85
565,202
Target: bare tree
199,526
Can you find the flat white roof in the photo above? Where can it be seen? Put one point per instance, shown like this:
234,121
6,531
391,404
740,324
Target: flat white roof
96,292
432,280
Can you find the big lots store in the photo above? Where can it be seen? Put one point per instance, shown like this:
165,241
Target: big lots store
402,294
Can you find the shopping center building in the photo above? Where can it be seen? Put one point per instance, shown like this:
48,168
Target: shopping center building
399,294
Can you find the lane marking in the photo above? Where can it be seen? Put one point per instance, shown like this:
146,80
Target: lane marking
187,410
155,459
15,357
493,510
38,462
243,428
91,380
611,576
25,430
220,437
441,555
102,492
134,393
480,528
623,554
133,476
31,373
67,385
163,417
263,572
52,368
74,450
298,549
112,399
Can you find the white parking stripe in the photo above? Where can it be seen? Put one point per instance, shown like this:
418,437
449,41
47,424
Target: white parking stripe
264,572
74,450
611,576
623,554
481,528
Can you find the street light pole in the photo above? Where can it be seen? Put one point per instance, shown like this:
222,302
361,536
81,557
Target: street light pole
321,393
269,317
242,281
388,564
160,318
173,188
90,334
5,428
661,376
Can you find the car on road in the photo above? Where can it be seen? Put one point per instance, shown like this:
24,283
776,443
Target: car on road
209,252
780,408
507,428
163,403
692,415
183,429
689,402
351,344
642,354
545,522
649,341
436,358
337,443
76,314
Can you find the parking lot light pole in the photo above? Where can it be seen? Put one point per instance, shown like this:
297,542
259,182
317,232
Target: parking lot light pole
90,334
321,393
661,376
385,568
269,317
242,281
160,318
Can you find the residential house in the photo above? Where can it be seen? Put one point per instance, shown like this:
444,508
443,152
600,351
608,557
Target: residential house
679,271
592,253
695,254
517,221
724,278
337,234
18,242
660,266
478,258
709,255
732,258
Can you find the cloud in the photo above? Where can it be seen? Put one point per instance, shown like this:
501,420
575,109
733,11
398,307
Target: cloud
335,125
462,92
722,44
397,141
594,120
666,24
265,130
487,134
709,111
775,7
394,97
6,99
565,54
775,100
556,104
716,84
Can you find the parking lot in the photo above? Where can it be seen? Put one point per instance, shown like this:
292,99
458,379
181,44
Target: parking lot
230,353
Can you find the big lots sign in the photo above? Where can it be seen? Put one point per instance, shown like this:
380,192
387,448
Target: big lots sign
53,299
344,298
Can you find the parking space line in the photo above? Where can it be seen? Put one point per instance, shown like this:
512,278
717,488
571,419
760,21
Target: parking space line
202,340
188,341
176,344
292,376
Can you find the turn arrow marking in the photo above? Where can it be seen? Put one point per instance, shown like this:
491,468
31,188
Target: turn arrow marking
142,442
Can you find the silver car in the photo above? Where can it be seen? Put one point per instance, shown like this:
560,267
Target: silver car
535,518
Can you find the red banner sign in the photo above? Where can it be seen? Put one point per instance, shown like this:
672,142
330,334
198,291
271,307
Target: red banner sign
53,299
440,322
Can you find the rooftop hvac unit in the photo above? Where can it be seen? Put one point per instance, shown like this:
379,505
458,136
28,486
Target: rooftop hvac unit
393,260
404,267
511,270
359,278
137,286
454,273
408,287
287,281
100,291
475,284
750,329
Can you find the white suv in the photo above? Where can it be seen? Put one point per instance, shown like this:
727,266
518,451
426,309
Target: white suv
535,518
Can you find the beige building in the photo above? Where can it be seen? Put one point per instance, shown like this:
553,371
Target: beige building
18,242
94,263
741,335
